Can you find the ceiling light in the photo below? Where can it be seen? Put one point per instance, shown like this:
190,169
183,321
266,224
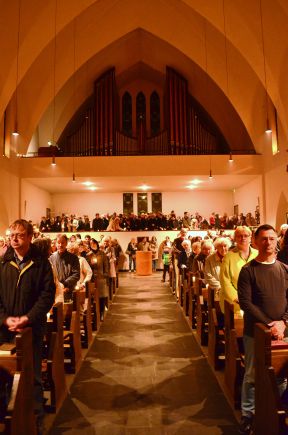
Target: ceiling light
15,133
73,178
53,163
268,128
230,158
88,183
92,188
144,187
210,175
196,181
191,186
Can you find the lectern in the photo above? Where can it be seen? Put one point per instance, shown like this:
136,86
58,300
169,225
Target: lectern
144,263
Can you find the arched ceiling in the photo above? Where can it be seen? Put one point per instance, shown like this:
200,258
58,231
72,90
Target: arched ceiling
188,32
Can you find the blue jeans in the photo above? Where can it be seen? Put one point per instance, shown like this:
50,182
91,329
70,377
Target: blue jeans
248,386
132,263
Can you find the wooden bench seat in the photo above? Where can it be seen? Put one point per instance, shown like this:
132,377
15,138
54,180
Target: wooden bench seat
271,361
71,337
216,337
16,371
54,383
234,354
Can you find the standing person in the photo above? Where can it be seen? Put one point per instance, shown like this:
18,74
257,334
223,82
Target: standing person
177,248
85,269
167,261
27,292
66,265
153,247
199,260
232,263
283,253
262,293
131,252
214,261
99,264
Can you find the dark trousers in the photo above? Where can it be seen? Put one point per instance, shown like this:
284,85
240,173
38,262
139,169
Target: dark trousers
165,270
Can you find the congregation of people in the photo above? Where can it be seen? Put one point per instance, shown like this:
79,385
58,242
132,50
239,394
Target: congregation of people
146,222
37,271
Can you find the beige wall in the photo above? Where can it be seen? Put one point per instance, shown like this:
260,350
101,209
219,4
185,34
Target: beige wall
9,193
276,193
248,196
90,203
34,201
204,202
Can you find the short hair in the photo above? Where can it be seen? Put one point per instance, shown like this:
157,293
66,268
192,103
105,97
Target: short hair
43,245
195,245
264,227
222,241
73,248
28,227
207,243
60,235
241,229
186,242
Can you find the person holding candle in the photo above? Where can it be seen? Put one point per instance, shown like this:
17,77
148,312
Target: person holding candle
99,264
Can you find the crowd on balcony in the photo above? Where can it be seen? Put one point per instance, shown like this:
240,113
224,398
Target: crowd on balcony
146,222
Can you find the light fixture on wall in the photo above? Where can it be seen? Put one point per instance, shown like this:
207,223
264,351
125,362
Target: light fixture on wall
53,163
268,128
210,171
15,131
231,158
73,173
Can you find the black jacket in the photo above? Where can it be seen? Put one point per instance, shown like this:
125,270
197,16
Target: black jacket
30,291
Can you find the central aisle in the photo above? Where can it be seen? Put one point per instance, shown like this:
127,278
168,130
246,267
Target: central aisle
145,373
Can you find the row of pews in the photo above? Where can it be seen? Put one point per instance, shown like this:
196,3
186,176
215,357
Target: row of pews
69,330
222,336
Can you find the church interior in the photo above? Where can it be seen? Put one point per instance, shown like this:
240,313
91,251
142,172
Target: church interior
129,106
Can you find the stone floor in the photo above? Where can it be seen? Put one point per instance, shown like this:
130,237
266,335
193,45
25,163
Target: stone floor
145,373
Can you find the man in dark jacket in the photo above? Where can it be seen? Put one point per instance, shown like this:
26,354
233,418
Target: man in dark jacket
27,292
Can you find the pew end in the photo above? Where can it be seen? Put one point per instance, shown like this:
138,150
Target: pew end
271,362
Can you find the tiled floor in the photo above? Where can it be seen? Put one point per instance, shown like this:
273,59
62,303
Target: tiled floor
144,373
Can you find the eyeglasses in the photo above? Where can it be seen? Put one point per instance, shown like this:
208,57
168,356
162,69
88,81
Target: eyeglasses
17,235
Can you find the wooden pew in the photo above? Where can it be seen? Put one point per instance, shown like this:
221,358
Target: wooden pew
234,354
191,297
95,306
85,317
216,339
271,361
18,367
54,378
72,338
202,313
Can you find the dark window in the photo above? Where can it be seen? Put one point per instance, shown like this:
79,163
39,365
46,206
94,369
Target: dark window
156,202
142,203
154,113
140,109
127,114
127,203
